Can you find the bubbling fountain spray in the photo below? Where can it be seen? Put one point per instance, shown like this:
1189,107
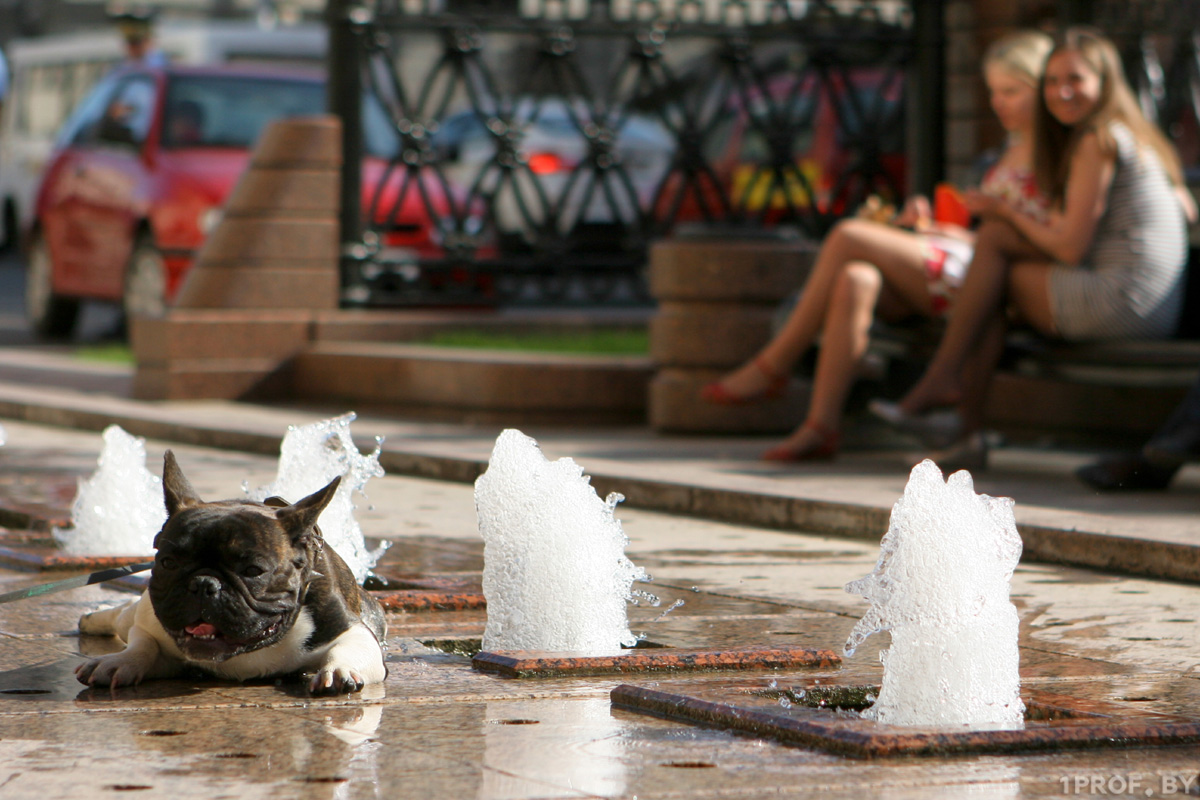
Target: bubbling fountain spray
311,456
555,573
941,587
119,509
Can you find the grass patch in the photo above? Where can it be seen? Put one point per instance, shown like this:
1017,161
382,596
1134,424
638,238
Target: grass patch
592,342
114,353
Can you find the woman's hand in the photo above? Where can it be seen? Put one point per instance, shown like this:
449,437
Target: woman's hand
1189,204
916,214
951,231
981,204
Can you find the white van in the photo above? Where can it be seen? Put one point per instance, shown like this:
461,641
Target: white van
50,74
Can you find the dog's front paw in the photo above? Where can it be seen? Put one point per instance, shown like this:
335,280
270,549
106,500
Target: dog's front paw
336,680
113,671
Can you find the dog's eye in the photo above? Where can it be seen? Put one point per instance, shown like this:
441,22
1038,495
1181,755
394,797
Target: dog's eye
251,571
166,562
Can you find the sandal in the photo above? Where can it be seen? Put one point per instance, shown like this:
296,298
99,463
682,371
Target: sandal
938,429
717,394
826,447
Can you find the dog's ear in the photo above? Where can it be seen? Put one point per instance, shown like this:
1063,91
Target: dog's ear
177,491
299,518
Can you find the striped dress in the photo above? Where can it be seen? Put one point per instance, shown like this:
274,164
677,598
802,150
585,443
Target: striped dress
1130,284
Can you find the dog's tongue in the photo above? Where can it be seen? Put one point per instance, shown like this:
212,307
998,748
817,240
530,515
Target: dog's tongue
201,629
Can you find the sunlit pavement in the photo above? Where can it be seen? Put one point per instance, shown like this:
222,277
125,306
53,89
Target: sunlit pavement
437,728
725,538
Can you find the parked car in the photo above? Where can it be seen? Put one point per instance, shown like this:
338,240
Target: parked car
51,74
813,148
142,168
560,184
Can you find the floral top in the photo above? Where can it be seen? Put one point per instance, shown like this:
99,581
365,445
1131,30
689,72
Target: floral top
1019,188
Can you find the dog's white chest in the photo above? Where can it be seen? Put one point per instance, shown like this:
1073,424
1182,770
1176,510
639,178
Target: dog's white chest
287,655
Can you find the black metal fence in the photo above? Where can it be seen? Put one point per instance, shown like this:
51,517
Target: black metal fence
533,155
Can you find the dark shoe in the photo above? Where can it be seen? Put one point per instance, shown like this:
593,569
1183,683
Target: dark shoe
1127,473
1174,449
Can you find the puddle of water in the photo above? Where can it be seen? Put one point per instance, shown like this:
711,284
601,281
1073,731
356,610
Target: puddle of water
472,647
577,744
741,558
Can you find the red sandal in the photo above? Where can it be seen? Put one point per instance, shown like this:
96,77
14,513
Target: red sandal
717,394
825,448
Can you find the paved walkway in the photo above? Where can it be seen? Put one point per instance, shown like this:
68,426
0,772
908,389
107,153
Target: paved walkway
1148,533
747,577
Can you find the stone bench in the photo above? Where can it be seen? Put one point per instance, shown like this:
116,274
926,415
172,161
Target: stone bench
718,298
1091,391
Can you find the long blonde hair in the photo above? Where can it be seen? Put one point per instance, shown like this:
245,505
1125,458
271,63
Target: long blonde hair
1055,143
1021,54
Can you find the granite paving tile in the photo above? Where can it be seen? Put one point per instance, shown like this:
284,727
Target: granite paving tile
438,728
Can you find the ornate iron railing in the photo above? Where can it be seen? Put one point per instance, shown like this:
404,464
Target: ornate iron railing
534,156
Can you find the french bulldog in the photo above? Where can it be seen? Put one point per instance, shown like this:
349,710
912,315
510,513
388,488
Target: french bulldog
243,590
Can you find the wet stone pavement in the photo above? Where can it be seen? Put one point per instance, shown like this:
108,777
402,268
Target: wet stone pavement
439,728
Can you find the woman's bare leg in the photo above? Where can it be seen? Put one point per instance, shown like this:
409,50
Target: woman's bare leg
1029,293
843,342
997,247
979,371
900,259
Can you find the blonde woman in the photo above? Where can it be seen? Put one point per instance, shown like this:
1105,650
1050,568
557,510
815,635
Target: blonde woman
1108,264
866,269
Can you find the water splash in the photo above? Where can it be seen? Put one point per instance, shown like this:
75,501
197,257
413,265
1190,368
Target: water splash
555,573
941,587
668,610
310,457
119,509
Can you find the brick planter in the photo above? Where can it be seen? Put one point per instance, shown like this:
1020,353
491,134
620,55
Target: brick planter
248,303
717,299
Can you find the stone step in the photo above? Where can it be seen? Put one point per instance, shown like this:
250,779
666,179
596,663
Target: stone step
464,384
1078,411
410,325
211,378
676,406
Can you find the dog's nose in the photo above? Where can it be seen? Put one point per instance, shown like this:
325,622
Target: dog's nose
206,585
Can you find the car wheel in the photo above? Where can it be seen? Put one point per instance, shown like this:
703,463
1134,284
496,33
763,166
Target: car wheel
145,281
51,315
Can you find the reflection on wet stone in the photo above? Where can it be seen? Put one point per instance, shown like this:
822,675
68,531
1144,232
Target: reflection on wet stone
438,728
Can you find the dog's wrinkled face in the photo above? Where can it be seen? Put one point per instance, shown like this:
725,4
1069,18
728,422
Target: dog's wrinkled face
229,577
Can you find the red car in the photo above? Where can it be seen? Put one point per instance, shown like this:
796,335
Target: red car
142,168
